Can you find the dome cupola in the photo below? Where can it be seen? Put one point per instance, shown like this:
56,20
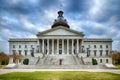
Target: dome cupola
60,21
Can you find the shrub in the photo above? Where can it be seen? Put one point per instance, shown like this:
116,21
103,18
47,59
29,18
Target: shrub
117,62
26,61
4,62
94,61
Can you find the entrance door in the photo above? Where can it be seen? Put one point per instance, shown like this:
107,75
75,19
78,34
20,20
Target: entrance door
60,51
60,62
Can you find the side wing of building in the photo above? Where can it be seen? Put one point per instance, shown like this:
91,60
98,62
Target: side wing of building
23,46
98,49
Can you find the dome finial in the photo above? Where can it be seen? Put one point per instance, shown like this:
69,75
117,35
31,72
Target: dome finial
60,21
60,13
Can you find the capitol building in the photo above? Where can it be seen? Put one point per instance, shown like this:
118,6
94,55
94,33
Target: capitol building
62,45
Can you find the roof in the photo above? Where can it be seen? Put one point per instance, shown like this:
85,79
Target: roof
60,27
60,21
97,39
22,39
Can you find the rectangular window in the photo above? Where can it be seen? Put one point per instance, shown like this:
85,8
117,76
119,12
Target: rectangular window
89,52
25,52
20,52
94,46
106,46
106,52
100,46
101,52
25,46
95,52
100,60
106,60
19,46
31,46
13,46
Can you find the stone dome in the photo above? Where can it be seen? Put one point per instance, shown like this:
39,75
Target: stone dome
60,21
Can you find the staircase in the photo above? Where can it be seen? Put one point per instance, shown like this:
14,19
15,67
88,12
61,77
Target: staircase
33,60
55,60
76,60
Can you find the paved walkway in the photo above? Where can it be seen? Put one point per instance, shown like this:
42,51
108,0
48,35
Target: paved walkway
4,71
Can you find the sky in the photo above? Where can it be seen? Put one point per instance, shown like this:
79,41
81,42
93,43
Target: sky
25,18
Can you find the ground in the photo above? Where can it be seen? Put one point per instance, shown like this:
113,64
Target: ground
118,66
2,66
60,75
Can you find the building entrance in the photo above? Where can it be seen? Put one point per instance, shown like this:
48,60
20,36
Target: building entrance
60,51
60,61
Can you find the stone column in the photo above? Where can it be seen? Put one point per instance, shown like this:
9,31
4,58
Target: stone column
57,46
77,46
62,46
47,46
38,45
72,46
67,46
43,46
52,46
11,60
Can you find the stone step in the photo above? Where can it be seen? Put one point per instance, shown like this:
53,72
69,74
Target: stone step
33,60
61,67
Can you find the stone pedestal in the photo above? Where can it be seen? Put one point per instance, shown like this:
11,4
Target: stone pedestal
11,60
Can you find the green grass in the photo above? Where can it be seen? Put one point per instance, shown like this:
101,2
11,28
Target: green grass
118,66
56,75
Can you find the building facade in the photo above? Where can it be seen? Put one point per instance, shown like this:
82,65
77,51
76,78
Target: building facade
62,45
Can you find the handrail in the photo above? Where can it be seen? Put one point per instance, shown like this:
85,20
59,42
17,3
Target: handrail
82,60
38,60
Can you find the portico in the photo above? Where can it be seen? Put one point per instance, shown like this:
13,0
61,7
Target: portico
60,46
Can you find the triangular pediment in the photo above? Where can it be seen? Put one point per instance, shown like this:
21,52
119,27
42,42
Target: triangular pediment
60,31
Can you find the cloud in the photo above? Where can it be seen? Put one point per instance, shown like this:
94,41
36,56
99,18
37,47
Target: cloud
95,18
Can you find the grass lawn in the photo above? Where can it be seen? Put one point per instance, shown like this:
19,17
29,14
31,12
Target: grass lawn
62,75
118,66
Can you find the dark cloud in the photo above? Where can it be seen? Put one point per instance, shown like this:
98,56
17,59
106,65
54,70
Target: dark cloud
77,6
109,9
21,18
